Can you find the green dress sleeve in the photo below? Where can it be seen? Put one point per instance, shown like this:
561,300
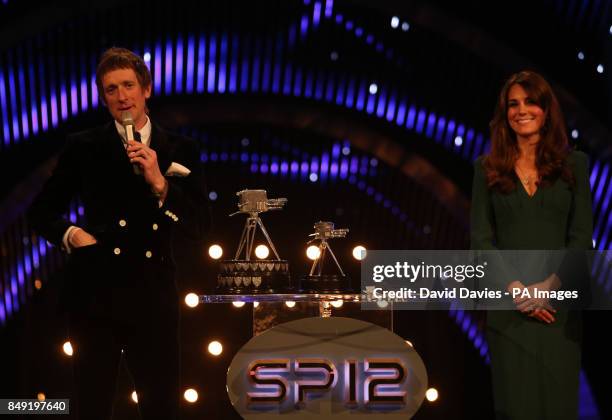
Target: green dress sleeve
482,231
580,226
482,219
573,271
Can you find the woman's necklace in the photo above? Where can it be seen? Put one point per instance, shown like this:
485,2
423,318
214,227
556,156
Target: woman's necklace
528,181
524,179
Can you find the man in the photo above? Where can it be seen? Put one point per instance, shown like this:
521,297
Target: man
119,289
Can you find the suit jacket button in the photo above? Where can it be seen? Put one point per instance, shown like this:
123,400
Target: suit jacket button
155,227
148,254
122,223
117,251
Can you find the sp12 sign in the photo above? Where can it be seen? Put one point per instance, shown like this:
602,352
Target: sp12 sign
325,367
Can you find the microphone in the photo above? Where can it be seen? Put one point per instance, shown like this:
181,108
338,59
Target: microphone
128,123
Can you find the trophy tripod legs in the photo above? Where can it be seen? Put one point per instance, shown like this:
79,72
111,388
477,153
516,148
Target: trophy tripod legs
247,239
323,248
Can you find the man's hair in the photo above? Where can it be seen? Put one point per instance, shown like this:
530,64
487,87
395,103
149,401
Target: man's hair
121,58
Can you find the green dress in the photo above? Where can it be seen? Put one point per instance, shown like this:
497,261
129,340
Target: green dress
534,366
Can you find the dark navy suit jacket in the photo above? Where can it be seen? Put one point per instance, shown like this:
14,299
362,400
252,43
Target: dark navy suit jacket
134,234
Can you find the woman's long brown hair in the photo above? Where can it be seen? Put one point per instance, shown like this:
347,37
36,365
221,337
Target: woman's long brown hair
552,149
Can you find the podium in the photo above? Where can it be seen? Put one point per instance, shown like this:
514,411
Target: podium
322,356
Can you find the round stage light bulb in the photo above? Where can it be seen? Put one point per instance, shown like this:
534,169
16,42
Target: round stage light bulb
262,252
215,348
337,303
359,252
215,251
238,304
41,396
290,304
191,395
395,22
313,252
431,394
382,303
67,347
192,300
135,397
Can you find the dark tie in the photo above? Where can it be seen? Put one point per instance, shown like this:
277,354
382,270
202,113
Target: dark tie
138,138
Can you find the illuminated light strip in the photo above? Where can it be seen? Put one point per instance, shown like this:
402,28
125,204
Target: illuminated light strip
168,73
303,26
604,209
94,86
63,93
22,95
212,56
233,83
178,86
190,63
277,63
244,69
602,181
308,84
222,82
329,8
201,63
4,109
83,87
13,100
157,69
255,68
316,14
594,173
74,96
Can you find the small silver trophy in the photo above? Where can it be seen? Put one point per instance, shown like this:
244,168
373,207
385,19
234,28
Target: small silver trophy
323,232
316,281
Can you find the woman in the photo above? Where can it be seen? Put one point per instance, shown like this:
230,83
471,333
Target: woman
531,192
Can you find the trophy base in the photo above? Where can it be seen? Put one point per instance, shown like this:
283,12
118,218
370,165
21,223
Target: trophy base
325,283
242,277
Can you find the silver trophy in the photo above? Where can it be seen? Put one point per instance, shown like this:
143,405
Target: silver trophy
253,202
323,232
